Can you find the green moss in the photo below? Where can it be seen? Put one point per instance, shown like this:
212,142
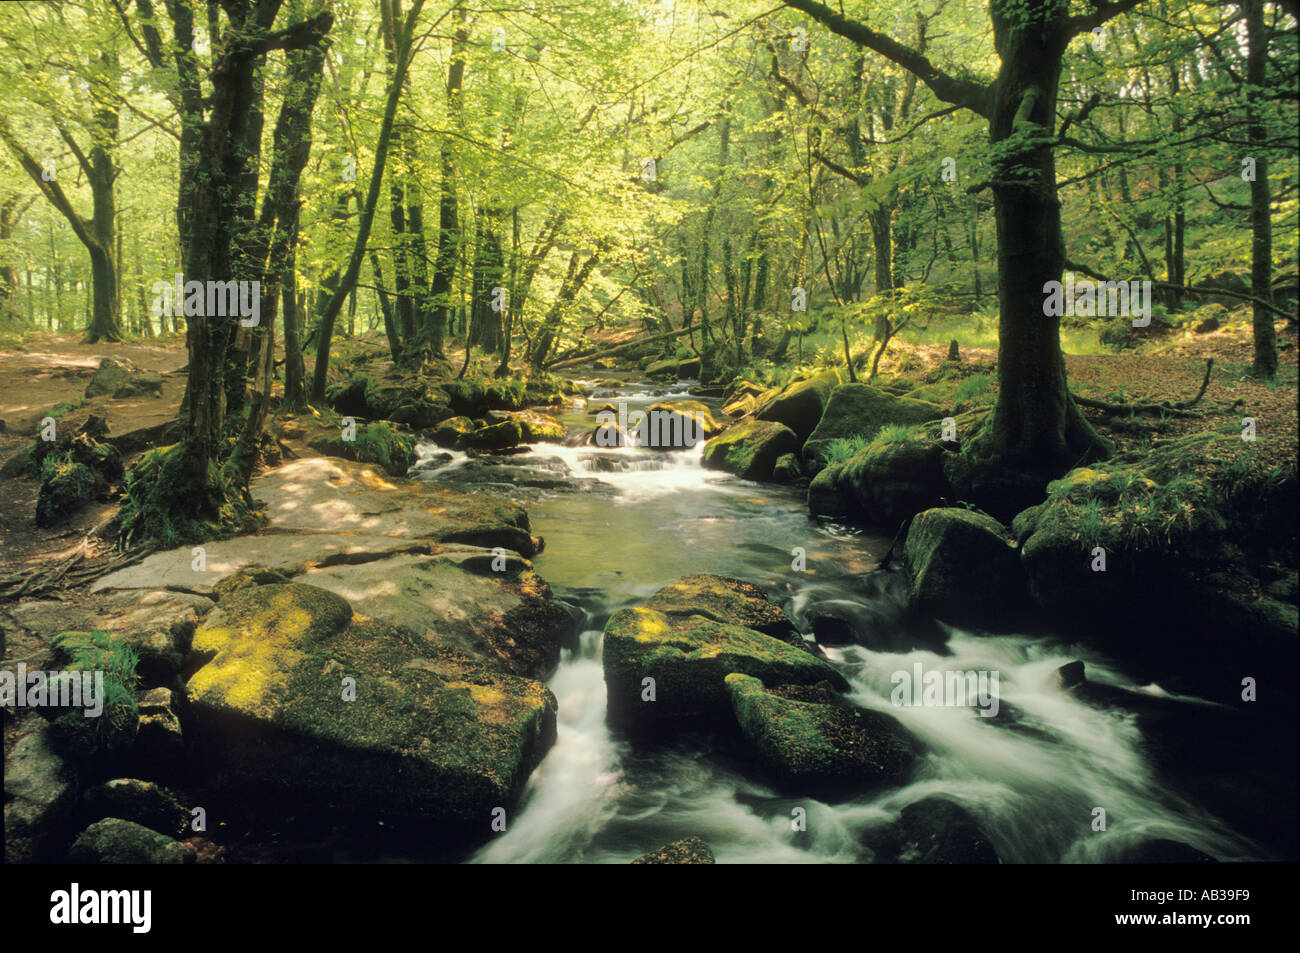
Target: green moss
377,442
75,734
750,448
813,741
688,657
166,502
66,486
427,730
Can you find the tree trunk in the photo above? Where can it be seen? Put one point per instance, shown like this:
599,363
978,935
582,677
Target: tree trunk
1261,227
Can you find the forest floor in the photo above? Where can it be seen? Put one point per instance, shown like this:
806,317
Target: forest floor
52,370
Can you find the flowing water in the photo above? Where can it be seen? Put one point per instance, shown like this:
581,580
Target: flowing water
1032,775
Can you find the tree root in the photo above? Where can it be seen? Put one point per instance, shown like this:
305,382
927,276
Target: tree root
1179,409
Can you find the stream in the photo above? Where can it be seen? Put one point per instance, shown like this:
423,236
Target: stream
1031,776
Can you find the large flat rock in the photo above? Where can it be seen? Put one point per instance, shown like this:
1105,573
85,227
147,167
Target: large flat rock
330,495
455,599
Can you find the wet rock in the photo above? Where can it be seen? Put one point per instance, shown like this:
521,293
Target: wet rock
724,599
688,658
302,700
811,741
688,850
1070,674
830,629
117,841
964,568
861,410
935,830
158,752
750,449
40,794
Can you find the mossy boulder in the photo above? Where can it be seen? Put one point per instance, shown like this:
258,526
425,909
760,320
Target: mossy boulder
76,731
861,410
536,427
750,448
964,568
377,442
74,471
356,398
741,397
811,741
412,405
787,469
895,476
1179,528
300,699
724,599
688,658
474,398
688,850
800,404
449,432
66,486
498,436
117,841
40,795
141,802
112,374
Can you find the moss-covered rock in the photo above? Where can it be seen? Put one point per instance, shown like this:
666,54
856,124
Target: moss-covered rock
498,436
115,841
861,410
688,850
76,731
112,374
741,397
300,699
811,741
896,475
688,658
40,794
141,802
724,599
787,469
1180,528
450,431
536,427
378,442
964,568
66,486
800,404
750,449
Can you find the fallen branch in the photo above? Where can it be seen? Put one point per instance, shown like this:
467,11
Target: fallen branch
591,352
1180,409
